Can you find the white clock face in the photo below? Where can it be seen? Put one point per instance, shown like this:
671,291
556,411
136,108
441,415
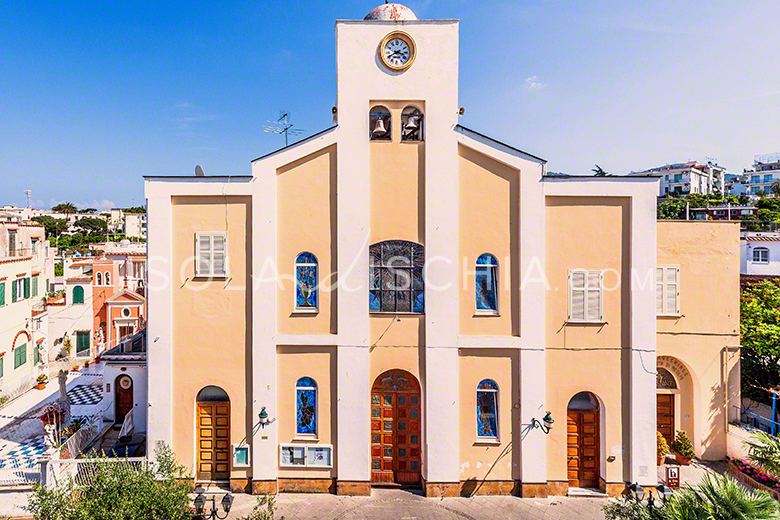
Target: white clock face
397,52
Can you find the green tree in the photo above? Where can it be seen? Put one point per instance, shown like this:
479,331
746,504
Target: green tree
65,207
774,189
673,209
135,209
697,200
64,242
92,225
116,489
58,269
598,171
764,452
772,204
760,331
732,199
744,200
761,193
54,226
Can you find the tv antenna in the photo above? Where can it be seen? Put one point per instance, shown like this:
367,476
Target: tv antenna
28,193
283,126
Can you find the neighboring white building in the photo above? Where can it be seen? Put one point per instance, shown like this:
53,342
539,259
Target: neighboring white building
124,375
686,178
135,225
71,313
765,171
759,254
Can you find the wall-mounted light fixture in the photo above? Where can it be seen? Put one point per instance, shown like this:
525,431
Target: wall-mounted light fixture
263,415
546,425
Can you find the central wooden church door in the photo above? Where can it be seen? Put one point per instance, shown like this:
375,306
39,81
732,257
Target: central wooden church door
395,429
213,435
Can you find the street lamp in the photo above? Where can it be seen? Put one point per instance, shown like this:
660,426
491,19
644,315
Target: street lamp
548,423
200,506
640,494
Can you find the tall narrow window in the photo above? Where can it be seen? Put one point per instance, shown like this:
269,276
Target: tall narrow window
78,294
306,282
26,288
667,290
396,277
82,341
487,404
211,250
108,278
486,282
586,296
20,355
100,278
306,406
2,294
761,255
35,286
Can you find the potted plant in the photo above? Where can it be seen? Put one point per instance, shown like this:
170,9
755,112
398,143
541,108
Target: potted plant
662,447
41,379
683,448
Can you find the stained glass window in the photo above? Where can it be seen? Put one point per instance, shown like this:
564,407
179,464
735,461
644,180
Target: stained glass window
396,277
486,282
306,281
306,406
487,398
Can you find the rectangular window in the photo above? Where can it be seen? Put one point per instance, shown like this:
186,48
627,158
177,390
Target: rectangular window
20,355
37,355
211,255
667,290
34,286
755,178
82,341
678,177
768,178
2,294
586,290
12,243
761,255
34,245
26,288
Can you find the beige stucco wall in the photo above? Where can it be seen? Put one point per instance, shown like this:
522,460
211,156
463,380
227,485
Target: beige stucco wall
388,358
214,349
588,233
306,212
708,255
481,460
319,363
488,223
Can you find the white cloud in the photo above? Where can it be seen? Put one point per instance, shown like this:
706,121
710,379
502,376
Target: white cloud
98,204
533,84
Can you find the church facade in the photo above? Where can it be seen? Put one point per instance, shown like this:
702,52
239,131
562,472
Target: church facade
403,301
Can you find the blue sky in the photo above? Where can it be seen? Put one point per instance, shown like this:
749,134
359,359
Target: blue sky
94,95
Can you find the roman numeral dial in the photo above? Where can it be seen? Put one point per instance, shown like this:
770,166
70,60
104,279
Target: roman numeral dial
397,51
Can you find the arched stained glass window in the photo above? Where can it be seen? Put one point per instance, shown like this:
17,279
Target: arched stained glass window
487,404
306,406
486,282
78,294
306,282
396,277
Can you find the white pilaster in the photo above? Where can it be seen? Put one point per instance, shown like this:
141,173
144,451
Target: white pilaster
353,450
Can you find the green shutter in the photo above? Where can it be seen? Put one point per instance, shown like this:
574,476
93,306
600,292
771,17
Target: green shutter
35,286
26,288
2,294
14,295
1,367
20,355
37,355
82,341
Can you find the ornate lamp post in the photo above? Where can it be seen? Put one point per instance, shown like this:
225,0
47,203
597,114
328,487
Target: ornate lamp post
200,506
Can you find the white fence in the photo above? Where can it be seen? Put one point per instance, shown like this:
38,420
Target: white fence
76,443
12,477
82,471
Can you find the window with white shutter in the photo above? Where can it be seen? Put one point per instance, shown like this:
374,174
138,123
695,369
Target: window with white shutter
586,296
667,290
211,255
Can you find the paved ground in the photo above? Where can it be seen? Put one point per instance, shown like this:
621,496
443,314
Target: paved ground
391,504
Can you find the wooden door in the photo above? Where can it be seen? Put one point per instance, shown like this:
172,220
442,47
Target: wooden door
124,397
213,441
583,448
665,417
395,429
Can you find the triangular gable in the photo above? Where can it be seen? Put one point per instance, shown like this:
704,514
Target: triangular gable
126,295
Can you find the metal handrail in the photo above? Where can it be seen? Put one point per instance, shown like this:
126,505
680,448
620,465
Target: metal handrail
758,422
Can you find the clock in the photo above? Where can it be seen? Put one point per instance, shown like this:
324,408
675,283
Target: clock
397,51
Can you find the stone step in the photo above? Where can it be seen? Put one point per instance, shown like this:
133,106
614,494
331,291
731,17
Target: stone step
586,493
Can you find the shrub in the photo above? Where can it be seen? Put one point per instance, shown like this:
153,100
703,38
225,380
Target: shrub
42,378
661,445
263,510
764,452
683,445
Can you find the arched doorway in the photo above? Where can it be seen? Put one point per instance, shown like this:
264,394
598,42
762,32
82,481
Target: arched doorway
583,440
395,429
666,387
213,435
123,401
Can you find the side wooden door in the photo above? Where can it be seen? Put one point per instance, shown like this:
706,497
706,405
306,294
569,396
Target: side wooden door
665,417
124,397
582,429
213,441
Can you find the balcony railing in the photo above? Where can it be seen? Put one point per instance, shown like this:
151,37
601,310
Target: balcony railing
757,422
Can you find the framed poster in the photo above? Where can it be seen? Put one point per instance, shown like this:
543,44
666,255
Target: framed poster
306,455
241,456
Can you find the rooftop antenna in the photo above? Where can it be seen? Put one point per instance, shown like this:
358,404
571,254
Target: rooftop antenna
282,126
199,171
28,193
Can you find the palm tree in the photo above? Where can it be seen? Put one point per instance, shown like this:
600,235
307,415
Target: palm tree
720,497
65,207
598,171
764,452
775,188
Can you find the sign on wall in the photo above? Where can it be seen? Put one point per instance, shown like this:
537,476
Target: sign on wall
673,477
306,455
